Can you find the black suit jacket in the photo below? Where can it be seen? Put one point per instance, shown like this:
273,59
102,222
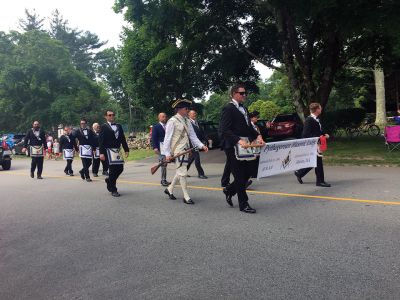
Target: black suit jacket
199,132
233,125
32,140
82,139
65,144
311,128
107,138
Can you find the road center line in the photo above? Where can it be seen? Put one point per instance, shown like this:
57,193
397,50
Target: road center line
220,189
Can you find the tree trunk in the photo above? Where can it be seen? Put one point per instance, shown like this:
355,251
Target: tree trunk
379,77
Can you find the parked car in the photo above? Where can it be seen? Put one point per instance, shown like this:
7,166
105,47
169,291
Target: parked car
286,126
264,126
211,132
17,150
5,155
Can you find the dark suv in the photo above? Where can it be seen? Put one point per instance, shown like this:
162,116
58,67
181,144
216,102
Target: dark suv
5,155
286,126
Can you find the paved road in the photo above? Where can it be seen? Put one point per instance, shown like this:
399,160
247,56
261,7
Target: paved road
62,238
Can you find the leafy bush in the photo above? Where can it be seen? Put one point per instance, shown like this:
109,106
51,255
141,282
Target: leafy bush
267,109
343,118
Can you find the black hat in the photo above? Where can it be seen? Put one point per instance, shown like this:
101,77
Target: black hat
254,114
181,103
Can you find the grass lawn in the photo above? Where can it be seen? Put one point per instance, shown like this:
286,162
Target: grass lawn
139,154
362,150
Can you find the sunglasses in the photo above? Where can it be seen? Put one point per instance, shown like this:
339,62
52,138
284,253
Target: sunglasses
242,93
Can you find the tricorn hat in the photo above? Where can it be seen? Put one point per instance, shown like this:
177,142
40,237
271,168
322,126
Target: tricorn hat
181,103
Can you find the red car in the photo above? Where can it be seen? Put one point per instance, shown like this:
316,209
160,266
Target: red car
286,126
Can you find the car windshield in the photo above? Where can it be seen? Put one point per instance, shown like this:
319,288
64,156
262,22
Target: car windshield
284,118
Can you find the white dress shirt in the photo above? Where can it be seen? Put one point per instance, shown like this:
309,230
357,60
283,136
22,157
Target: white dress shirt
115,128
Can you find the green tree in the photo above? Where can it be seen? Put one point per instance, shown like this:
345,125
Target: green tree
38,81
82,45
267,109
312,40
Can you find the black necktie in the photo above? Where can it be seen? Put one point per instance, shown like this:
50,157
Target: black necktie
240,105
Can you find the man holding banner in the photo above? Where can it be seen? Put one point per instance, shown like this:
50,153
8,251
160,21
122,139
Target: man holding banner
35,139
110,140
236,131
312,128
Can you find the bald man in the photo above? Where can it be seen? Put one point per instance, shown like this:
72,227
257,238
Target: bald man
157,140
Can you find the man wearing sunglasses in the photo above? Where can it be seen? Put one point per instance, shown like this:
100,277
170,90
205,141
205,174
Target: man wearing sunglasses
111,139
235,126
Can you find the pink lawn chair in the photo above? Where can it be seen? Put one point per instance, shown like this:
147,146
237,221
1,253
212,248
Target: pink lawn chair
392,137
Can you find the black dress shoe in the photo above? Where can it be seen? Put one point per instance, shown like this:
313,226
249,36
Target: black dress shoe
39,177
248,183
107,180
95,175
32,175
323,184
105,173
88,180
171,196
71,174
203,177
82,175
298,177
115,194
248,210
188,201
165,183
66,172
228,197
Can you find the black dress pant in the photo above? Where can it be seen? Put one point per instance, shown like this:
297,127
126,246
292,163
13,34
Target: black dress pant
96,165
241,171
319,171
254,173
86,163
113,174
37,162
226,176
196,158
68,167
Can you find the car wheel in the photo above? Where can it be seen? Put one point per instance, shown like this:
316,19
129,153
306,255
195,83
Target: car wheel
6,165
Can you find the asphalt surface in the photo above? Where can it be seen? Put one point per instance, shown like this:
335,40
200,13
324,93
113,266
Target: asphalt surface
62,238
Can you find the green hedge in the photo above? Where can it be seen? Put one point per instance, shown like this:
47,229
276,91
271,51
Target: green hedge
343,118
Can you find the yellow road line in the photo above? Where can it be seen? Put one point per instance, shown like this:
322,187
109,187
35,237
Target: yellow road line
220,189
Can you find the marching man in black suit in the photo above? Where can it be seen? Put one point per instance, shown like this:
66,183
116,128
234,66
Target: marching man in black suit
196,154
312,128
85,138
36,140
157,142
96,152
110,140
68,148
234,127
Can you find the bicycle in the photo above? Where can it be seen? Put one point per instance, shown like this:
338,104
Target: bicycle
367,128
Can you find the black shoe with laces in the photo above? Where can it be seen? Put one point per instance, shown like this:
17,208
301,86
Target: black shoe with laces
171,196
247,209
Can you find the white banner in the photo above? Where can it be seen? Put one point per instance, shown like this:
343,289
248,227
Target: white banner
281,157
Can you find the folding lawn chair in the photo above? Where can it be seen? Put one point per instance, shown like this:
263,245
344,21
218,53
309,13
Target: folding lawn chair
392,137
